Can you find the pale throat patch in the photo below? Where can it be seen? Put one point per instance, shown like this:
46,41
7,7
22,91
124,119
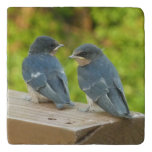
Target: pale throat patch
82,61
53,52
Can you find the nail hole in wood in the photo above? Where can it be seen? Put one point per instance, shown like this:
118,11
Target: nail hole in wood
51,119
68,122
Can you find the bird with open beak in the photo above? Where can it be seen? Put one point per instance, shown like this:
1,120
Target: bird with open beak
44,75
100,81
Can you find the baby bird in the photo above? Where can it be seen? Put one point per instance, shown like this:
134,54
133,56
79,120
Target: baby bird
99,79
44,75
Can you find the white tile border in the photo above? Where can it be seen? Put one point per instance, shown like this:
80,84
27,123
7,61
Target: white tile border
145,5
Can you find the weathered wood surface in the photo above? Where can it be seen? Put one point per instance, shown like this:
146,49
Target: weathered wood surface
30,123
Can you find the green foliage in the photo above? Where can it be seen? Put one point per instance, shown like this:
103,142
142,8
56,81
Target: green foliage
120,31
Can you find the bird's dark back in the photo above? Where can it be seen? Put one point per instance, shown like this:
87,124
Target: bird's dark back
41,63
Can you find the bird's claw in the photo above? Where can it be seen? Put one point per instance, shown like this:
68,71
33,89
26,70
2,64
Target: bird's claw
27,98
87,109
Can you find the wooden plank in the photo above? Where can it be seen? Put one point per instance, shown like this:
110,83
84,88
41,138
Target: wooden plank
31,123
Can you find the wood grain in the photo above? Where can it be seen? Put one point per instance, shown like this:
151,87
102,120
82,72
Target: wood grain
31,123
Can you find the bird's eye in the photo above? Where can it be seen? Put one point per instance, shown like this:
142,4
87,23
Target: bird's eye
52,45
83,54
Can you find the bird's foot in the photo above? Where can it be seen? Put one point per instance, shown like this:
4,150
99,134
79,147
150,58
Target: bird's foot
87,109
27,98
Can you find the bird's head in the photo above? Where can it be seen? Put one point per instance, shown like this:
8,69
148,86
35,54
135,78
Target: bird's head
86,53
44,45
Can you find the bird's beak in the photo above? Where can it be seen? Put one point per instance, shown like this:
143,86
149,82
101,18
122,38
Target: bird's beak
75,57
60,45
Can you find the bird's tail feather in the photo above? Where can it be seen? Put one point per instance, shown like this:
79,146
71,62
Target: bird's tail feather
105,103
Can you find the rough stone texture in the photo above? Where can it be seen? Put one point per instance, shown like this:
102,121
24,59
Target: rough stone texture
30,123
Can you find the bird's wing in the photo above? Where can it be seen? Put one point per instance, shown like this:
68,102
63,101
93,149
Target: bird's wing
118,85
33,75
39,83
98,92
95,89
58,81
49,87
105,103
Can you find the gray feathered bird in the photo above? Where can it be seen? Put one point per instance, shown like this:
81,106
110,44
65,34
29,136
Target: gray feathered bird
44,74
100,81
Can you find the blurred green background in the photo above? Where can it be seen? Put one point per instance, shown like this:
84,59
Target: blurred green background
120,31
